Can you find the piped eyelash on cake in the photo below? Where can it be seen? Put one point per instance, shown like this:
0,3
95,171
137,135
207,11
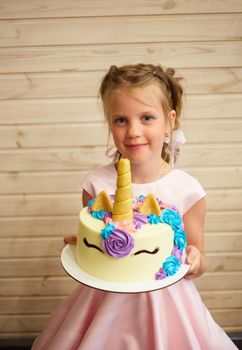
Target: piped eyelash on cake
147,251
89,245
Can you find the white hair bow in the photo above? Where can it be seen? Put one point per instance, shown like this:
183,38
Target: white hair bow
177,139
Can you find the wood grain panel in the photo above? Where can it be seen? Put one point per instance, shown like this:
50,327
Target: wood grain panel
213,154
223,199
53,159
222,221
213,106
78,134
220,177
27,205
37,286
222,299
86,84
29,306
223,242
215,281
33,9
42,111
39,226
220,262
31,267
28,247
228,317
77,58
21,324
43,182
134,29
203,131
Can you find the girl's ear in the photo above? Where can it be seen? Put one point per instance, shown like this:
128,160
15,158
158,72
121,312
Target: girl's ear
172,116
170,121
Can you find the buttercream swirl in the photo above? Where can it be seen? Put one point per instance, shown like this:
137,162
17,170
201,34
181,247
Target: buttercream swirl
118,244
141,198
126,226
171,265
180,239
171,218
90,202
107,230
160,275
177,253
154,219
100,214
139,220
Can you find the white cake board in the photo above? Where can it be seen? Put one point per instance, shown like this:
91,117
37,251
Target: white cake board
70,265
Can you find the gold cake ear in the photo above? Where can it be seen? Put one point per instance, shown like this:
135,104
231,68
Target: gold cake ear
150,206
122,207
102,202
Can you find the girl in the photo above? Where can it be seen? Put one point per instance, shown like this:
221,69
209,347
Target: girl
142,105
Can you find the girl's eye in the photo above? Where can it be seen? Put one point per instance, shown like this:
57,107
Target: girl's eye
119,120
148,117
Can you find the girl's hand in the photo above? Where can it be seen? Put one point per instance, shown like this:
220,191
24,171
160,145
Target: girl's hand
193,259
70,239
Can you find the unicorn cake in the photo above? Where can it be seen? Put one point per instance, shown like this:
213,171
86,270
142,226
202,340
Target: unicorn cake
127,239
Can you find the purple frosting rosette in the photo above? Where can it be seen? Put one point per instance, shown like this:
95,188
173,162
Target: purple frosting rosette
118,244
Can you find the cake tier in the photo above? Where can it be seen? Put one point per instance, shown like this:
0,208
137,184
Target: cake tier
153,244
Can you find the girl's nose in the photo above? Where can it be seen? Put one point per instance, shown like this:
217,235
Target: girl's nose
134,131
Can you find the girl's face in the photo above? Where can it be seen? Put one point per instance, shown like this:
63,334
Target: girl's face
138,124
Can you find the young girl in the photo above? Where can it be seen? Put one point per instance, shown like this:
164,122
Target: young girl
142,105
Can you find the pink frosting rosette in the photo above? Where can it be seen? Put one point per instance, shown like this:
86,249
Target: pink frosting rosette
126,226
118,244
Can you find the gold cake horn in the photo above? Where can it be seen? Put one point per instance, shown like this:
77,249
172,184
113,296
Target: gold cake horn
150,206
102,202
122,207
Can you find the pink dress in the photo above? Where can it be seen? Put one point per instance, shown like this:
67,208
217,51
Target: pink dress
168,319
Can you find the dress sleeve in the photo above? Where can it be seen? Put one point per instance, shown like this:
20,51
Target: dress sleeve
87,184
100,179
194,194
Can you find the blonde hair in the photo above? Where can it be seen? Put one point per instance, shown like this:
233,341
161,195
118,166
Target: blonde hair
142,75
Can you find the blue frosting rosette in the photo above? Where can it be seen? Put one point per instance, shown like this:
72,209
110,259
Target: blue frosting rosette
180,239
170,266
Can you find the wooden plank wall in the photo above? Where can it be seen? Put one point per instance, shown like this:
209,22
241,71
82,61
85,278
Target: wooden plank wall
52,57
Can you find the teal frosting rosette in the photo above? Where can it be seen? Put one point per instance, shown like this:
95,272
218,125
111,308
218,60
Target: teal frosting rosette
154,219
108,229
180,239
169,268
171,265
171,218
